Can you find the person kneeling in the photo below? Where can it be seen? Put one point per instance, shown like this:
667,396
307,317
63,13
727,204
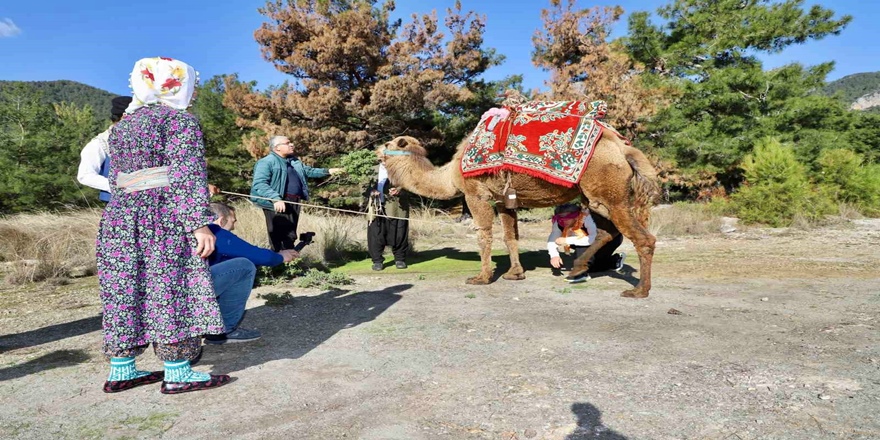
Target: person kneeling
233,269
573,228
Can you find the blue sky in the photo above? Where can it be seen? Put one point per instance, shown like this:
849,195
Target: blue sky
96,42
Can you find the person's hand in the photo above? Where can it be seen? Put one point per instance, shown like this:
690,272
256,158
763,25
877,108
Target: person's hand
205,240
560,241
280,206
334,171
374,193
394,191
213,190
289,255
556,262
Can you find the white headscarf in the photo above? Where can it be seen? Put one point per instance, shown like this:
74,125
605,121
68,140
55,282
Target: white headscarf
162,80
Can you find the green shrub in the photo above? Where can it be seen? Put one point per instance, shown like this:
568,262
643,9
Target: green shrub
360,166
282,273
777,188
843,173
323,280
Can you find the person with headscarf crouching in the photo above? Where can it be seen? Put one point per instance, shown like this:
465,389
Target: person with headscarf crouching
574,229
155,284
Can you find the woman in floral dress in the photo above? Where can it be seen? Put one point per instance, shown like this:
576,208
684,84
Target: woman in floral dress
155,284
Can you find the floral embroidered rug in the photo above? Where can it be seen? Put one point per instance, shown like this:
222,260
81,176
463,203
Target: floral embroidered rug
553,141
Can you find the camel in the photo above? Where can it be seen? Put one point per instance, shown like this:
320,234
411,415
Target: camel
619,183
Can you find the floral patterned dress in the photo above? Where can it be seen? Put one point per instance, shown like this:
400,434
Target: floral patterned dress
154,287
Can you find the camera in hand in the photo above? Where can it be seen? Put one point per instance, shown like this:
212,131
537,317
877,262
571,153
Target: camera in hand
305,239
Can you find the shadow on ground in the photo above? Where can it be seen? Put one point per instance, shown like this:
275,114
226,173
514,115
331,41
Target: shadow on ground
50,333
589,424
55,359
530,261
300,325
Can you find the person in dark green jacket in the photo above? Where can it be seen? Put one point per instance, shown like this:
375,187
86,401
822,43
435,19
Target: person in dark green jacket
391,201
281,177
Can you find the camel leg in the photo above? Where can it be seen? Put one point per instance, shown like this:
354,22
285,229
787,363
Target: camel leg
581,264
510,226
644,241
483,215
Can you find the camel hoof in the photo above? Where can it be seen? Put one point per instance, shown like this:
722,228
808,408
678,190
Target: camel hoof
513,276
634,293
477,281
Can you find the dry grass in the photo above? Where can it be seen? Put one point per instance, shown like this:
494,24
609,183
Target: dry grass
53,246
683,219
850,211
45,246
339,236
336,235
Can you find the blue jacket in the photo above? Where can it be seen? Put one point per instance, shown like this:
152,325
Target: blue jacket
270,178
229,246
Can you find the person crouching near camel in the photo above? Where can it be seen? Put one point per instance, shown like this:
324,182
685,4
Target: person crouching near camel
574,229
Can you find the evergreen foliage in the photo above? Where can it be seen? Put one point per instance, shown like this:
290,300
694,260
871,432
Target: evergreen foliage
726,100
230,166
80,94
777,188
689,88
39,151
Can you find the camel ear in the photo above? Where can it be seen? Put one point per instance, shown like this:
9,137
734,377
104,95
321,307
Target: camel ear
402,143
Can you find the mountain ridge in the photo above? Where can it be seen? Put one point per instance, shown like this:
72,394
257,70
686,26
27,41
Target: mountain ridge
64,90
860,90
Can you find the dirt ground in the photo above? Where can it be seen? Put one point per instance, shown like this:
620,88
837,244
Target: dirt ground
761,333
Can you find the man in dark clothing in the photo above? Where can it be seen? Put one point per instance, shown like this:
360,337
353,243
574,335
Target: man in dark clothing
233,269
387,200
281,177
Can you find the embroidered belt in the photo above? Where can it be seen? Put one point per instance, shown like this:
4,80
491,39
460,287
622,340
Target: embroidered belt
156,177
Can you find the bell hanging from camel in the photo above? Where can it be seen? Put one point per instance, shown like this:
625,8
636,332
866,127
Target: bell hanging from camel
510,200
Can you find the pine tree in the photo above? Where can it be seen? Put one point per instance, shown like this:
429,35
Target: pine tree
358,78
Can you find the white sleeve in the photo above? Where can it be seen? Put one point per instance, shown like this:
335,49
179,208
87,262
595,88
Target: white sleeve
555,233
590,226
91,159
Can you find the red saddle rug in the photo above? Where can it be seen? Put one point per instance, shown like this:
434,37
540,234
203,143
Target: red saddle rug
553,141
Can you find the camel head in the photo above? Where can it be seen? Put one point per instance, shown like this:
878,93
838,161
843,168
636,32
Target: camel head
408,166
402,146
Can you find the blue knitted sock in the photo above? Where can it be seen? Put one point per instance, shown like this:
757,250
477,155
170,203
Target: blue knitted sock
180,371
122,368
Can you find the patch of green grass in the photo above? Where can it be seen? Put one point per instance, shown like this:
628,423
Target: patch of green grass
563,290
282,273
277,299
323,280
380,329
156,423
90,432
470,296
15,428
449,261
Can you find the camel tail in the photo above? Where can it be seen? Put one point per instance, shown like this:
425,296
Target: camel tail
643,185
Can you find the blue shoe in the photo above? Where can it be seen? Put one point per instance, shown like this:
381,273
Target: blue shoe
578,279
237,335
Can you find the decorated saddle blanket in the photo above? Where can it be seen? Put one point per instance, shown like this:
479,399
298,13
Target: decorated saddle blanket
553,141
